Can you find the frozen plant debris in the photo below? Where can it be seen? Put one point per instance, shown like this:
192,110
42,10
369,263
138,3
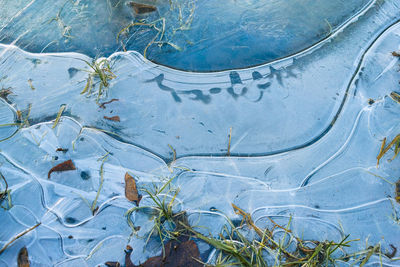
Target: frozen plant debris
131,192
395,54
177,253
395,96
4,93
64,166
23,258
103,105
113,118
112,264
60,111
384,149
5,191
18,236
101,74
142,8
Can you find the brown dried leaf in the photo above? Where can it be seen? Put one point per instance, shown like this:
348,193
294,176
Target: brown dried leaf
103,105
113,118
395,54
64,166
177,254
131,192
112,264
23,258
142,8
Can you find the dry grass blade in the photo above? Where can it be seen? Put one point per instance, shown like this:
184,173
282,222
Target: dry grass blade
126,29
60,111
165,26
173,153
380,155
395,96
18,236
31,85
229,142
100,70
5,192
94,206
264,235
395,142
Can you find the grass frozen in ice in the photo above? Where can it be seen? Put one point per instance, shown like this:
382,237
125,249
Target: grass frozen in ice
178,18
234,246
100,73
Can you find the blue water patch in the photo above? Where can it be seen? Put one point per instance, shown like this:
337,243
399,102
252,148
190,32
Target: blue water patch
192,35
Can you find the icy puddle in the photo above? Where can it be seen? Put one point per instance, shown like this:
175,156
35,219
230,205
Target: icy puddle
195,35
283,154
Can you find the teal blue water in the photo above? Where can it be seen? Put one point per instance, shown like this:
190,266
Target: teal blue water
192,35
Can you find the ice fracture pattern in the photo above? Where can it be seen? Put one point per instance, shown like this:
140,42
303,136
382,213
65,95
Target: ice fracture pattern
306,124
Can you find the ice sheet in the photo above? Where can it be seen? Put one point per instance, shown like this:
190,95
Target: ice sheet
304,142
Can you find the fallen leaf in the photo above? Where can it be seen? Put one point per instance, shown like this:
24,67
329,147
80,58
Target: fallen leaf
177,253
142,8
64,166
112,264
64,150
103,105
23,258
395,54
113,118
131,192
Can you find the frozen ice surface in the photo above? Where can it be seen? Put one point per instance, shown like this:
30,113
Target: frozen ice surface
304,141
200,35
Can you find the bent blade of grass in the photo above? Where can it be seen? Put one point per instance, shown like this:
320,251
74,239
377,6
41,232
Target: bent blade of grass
381,153
18,236
94,204
60,111
384,150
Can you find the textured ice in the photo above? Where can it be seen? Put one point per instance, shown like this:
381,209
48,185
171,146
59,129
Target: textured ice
304,139
213,35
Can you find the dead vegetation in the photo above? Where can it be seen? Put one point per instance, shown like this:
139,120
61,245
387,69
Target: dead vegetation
99,75
18,236
23,258
245,244
131,192
64,166
177,19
